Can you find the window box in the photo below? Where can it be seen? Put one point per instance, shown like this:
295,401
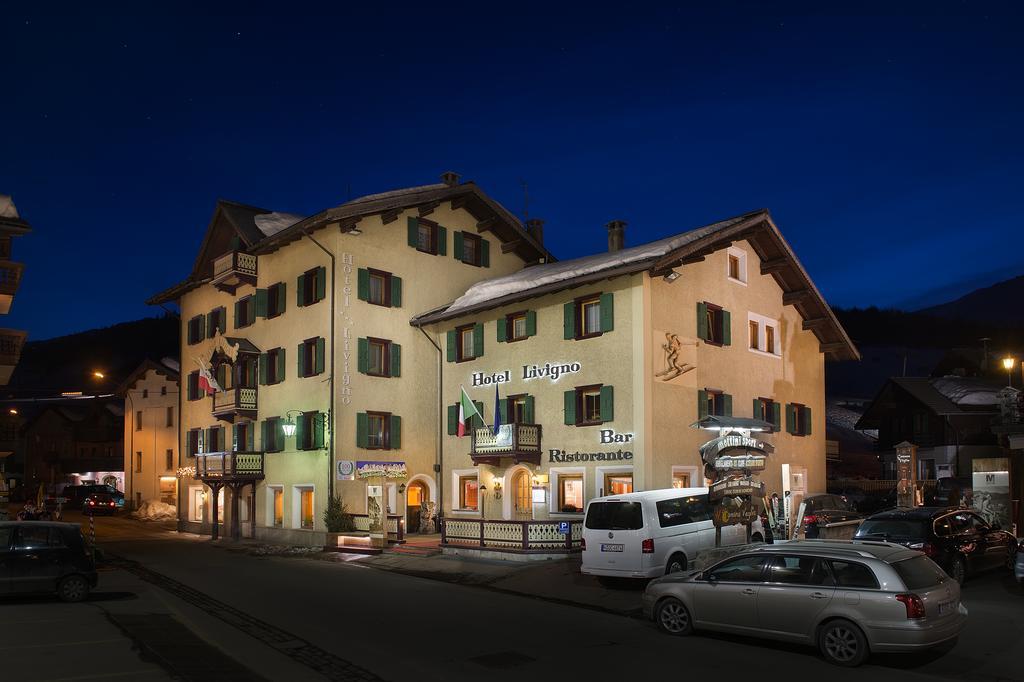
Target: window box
763,335
570,493
736,265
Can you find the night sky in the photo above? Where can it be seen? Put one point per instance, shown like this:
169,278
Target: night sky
887,144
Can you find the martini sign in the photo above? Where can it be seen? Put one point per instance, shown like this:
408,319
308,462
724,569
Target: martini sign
733,463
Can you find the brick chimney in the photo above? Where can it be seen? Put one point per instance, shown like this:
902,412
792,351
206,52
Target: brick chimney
616,235
450,178
535,226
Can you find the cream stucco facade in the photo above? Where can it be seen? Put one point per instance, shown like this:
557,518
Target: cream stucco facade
151,435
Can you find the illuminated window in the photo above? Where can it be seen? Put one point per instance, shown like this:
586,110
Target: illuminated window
618,484
306,508
680,479
469,488
168,490
278,507
377,429
570,493
378,288
590,317
466,345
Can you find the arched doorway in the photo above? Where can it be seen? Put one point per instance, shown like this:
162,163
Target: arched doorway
522,496
415,493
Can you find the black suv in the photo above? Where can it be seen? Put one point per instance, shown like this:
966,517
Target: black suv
824,509
75,494
959,540
40,556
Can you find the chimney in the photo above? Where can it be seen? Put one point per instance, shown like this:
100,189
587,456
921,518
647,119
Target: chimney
616,235
450,178
535,227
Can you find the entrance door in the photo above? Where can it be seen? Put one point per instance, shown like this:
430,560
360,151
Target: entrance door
415,494
523,500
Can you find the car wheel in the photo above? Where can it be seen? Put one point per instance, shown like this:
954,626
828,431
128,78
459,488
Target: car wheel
676,564
673,617
958,570
73,588
842,643
1011,557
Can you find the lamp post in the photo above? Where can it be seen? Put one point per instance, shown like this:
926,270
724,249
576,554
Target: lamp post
1008,363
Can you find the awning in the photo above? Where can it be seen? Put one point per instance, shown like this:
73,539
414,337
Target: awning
716,422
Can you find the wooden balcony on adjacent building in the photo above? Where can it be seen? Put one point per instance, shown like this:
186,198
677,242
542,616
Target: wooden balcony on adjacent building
234,269
229,467
235,402
521,442
10,279
11,341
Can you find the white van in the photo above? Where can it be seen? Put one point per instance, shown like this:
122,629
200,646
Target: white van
651,533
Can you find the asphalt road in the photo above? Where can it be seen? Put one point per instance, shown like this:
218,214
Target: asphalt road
384,625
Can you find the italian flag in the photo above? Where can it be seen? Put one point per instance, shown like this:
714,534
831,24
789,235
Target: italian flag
207,383
466,410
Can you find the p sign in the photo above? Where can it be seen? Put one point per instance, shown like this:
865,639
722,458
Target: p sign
564,528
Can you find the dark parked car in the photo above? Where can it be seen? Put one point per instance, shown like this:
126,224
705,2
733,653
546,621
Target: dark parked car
100,503
958,540
824,509
948,492
40,556
75,495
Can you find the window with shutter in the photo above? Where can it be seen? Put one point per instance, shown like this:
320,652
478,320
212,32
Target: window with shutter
472,250
196,329
714,324
716,403
798,419
423,235
276,300
394,436
261,303
466,345
452,343
311,357
590,405
362,430
453,420
516,326
377,361
591,315
378,426
395,359
193,386
478,340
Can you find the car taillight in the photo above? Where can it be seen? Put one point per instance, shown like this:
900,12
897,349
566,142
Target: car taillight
91,502
583,544
810,518
915,607
647,546
111,504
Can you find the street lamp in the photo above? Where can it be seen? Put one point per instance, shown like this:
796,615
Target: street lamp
99,375
1008,366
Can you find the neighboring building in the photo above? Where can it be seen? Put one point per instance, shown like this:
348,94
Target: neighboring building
11,340
948,418
721,320
151,433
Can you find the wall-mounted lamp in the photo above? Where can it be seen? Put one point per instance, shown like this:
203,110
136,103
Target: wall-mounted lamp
289,427
497,490
671,276
401,489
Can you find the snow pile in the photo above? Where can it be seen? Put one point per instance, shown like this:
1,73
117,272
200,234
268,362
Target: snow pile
551,273
7,208
969,391
272,223
283,550
154,510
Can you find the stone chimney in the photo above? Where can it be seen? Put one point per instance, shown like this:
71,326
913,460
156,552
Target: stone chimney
450,178
616,235
535,226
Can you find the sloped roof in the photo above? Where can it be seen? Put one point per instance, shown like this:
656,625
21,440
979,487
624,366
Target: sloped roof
145,366
943,396
10,221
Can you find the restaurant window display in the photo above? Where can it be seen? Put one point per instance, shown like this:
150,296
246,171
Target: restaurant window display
306,508
469,488
618,484
570,493
681,479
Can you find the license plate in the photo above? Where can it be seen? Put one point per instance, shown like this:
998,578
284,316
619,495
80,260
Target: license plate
611,548
947,607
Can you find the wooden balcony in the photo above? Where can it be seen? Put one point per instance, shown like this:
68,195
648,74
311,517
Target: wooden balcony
234,269
10,280
229,467
235,402
11,341
521,442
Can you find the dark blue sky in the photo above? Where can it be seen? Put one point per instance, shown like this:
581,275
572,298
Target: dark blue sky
887,143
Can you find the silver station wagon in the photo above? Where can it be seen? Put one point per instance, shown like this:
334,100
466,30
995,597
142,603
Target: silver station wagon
848,598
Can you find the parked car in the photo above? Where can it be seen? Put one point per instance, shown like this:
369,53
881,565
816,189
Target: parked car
651,533
948,492
75,495
848,598
100,503
42,556
824,510
958,540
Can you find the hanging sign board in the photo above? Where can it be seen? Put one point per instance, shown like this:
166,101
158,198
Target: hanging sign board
747,462
346,469
381,470
735,487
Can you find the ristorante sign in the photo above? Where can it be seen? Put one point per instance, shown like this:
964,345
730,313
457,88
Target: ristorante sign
555,455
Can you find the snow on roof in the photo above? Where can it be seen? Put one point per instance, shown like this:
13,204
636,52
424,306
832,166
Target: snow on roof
394,193
272,223
7,207
552,273
171,363
968,391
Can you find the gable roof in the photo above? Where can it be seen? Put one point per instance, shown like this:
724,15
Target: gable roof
140,371
659,258
943,396
263,231
10,221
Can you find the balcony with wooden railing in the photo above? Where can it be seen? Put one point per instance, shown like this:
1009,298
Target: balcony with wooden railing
235,402
229,467
11,342
521,442
234,269
10,280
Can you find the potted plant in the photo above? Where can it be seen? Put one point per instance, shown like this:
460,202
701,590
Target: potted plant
338,520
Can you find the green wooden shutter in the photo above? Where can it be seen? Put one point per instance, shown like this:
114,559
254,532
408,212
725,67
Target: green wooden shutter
413,228
726,328
250,437
265,434
442,241
790,418
282,297
210,322
201,328
503,410
478,340
300,291
777,416
300,432
319,355
607,403
363,356
396,360
453,420
395,434
726,405
238,306
200,440
807,419
234,437
485,253
569,399
261,303
263,369
396,292
756,411
702,404
607,312
569,321
362,430
281,373
318,430
478,420
702,321
457,245
451,345
528,410
301,362
363,284
531,323
321,283
502,327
